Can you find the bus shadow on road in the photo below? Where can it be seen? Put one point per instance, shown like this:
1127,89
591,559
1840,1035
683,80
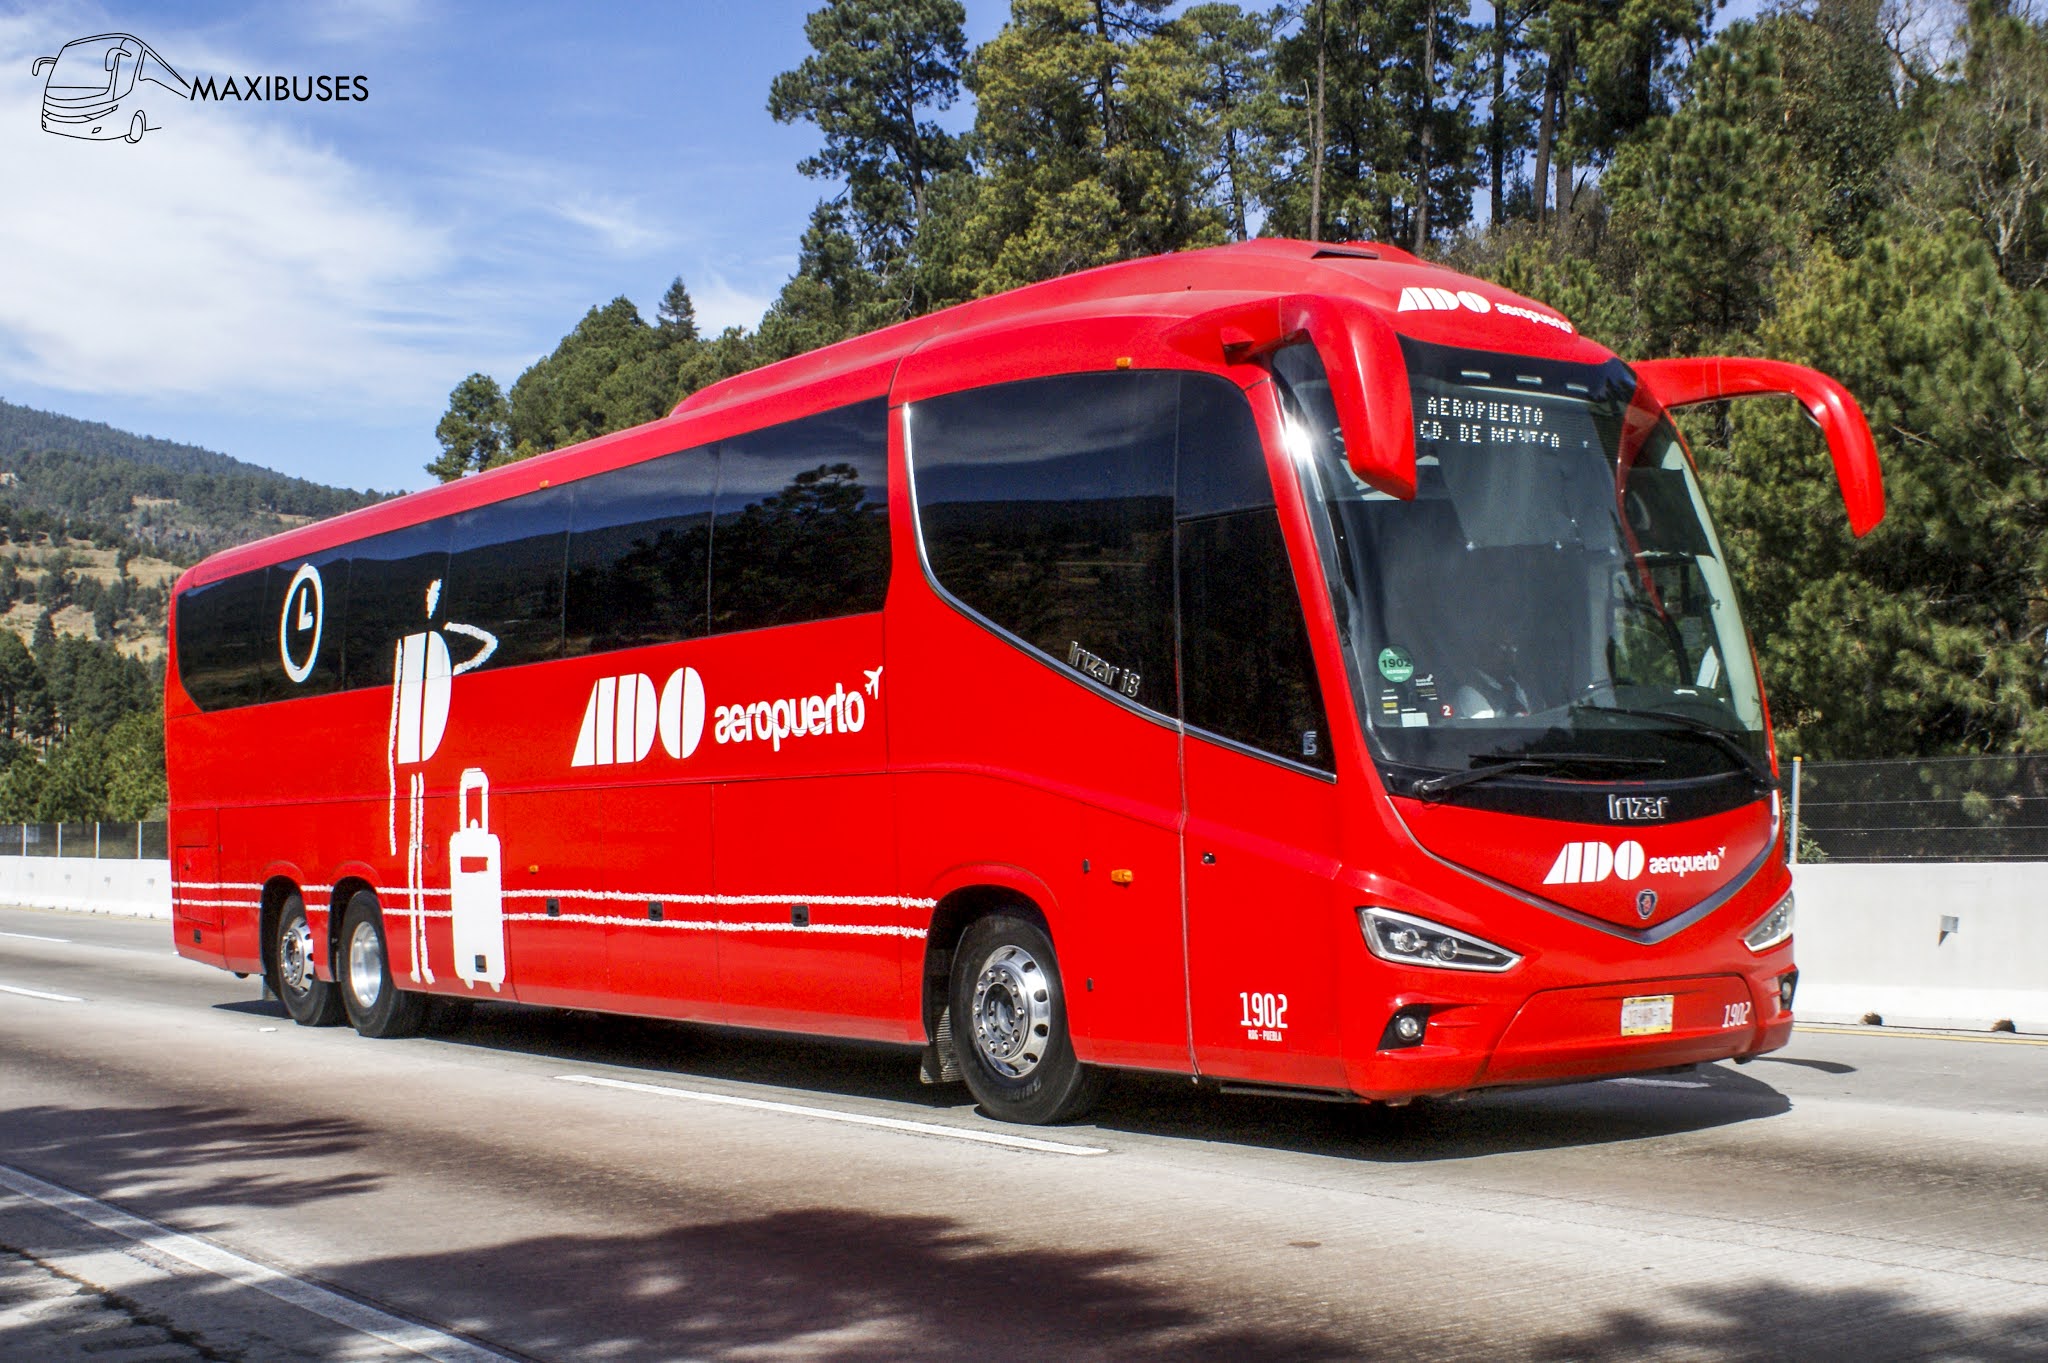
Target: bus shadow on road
1484,1123
1497,1122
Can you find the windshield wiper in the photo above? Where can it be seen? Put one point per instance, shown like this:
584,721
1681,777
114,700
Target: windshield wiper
1434,788
1758,769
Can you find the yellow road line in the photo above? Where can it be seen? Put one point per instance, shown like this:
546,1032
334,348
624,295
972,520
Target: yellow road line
2000,1039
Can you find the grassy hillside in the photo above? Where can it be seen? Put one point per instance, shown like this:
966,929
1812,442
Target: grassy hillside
96,522
88,480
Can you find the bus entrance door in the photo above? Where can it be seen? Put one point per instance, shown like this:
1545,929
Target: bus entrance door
1261,919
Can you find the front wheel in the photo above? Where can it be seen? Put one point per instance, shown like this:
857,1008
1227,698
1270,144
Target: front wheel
137,126
377,1007
1010,1025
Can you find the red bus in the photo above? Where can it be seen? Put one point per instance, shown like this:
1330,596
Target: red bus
1297,666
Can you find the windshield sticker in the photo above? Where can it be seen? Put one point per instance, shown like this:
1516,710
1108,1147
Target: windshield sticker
1395,664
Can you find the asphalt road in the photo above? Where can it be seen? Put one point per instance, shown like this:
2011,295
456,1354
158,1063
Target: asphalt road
184,1174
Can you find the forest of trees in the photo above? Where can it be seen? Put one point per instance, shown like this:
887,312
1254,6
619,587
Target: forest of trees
1858,185
181,502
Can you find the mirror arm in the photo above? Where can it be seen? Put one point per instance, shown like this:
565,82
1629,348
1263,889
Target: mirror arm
1683,383
1361,353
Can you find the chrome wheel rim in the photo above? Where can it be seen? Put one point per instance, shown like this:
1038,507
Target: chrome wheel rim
1012,1011
295,957
366,965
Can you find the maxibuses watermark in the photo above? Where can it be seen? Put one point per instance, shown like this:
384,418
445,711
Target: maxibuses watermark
115,87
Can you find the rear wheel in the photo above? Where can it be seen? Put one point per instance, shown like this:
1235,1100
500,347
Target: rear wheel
1010,1025
311,1001
377,1007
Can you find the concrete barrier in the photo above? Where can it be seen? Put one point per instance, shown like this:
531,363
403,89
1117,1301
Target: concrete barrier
1870,938
134,889
1924,944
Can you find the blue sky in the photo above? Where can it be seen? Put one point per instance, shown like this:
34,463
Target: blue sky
300,285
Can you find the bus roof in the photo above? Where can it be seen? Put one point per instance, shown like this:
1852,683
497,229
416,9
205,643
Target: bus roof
1428,302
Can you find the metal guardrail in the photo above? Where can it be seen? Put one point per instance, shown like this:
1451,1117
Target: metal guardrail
148,840
1977,808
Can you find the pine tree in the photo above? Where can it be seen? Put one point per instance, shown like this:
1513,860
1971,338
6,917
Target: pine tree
1088,156
878,69
676,317
1396,125
474,430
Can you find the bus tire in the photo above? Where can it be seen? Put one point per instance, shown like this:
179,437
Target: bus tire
308,999
137,126
377,1007
1010,1025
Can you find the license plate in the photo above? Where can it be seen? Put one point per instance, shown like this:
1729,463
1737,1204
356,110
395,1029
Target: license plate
1646,1015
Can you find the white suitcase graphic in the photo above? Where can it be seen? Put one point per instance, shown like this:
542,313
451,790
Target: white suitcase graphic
477,888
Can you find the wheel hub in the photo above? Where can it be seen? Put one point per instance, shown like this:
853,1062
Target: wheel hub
1012,1011
295,957
366,965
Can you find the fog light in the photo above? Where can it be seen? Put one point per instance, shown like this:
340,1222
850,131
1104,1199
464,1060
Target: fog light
1788,984
1405,1028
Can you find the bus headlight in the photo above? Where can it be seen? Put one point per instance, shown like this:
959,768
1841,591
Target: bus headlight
1407,940
1773,928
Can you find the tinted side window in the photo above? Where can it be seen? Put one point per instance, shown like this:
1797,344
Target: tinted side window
640,553
304,604
803,521
505,574
1246,672
396,583
1047,506
221,641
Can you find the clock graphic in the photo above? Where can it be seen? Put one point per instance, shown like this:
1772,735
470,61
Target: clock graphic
298,629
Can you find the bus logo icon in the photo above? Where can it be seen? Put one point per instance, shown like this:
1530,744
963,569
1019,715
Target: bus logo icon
103,87
623,717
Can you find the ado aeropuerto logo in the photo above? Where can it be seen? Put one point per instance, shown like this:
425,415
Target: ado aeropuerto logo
107,87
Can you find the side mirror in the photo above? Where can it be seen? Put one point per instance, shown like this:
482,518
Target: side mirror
1683,383
42,62
1361,354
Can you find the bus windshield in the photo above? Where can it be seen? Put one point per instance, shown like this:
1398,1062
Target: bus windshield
86,67
1554,591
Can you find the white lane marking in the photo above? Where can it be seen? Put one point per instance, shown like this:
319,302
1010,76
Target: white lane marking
421,1340
40,994
851,1118
36,937
1664,1083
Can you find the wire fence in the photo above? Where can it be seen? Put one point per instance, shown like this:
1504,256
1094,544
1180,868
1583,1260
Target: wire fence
1986,808
107,841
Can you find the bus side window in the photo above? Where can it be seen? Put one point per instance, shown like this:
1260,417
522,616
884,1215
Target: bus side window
1046,507
390,579
640,553
505,563
1246,670
224,638
803,521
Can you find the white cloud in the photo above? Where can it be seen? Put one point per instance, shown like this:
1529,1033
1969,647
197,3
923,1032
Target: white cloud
219,256
720,305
